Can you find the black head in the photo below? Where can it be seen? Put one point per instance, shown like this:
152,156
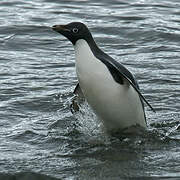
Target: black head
74,31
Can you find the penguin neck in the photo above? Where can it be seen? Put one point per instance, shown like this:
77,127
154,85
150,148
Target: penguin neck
83,52
90,44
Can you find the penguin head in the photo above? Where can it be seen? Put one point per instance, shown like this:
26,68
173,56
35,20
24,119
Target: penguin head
74,31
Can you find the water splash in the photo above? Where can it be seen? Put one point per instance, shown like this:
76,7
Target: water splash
89,125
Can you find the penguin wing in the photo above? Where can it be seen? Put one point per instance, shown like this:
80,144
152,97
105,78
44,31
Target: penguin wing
77,91
119,72
77,100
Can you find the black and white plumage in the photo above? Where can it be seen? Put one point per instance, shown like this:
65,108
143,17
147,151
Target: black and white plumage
110,89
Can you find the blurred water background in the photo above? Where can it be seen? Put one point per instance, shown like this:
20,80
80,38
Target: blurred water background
39,137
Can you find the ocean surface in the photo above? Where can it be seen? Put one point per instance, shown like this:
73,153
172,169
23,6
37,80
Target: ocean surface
39,136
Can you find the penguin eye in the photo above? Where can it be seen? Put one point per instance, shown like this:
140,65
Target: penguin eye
75,30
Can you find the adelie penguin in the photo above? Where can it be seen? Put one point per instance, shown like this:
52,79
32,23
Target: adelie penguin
109,88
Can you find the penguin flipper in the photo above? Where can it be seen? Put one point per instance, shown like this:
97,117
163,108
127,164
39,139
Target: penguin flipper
78,99
119,72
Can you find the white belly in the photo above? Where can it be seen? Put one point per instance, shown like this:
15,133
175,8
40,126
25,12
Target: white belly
118,106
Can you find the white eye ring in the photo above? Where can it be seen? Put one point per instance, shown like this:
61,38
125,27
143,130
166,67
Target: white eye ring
75,30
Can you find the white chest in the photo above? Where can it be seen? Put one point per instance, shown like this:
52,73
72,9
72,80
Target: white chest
89,69
117,105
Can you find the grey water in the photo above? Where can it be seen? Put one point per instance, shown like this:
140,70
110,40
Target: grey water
40,137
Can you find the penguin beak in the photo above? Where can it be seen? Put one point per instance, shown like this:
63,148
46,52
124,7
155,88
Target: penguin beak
60,28
65,31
